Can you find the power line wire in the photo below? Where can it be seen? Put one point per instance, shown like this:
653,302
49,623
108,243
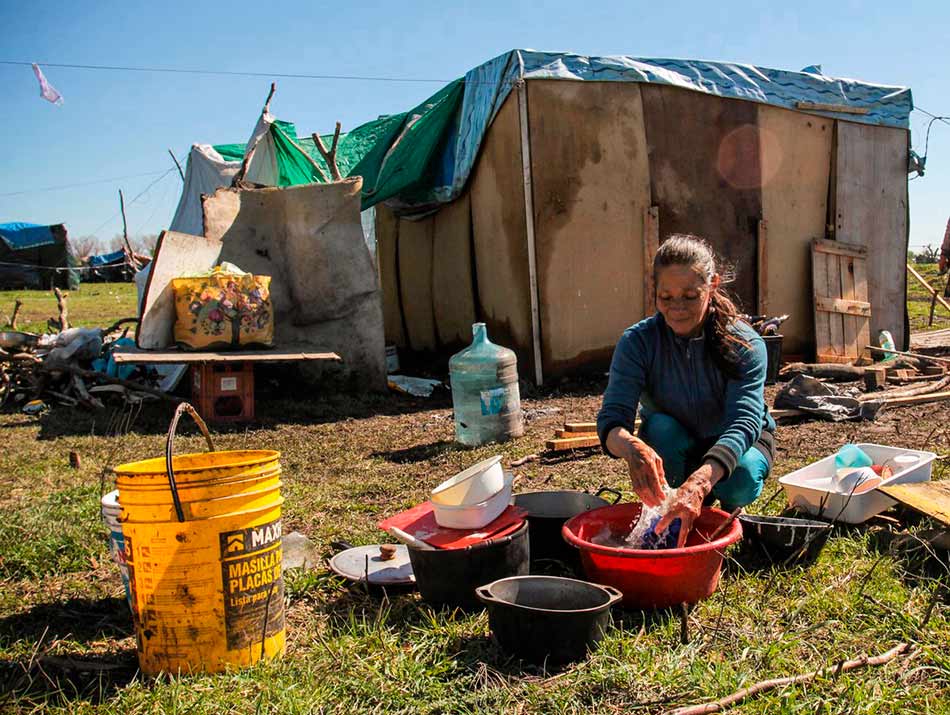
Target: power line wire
80,184
935,117
279,75
129,203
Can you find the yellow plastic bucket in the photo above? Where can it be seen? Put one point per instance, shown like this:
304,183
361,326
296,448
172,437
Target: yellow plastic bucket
203,547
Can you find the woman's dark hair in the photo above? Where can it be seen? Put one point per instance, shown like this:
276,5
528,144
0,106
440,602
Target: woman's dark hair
682,249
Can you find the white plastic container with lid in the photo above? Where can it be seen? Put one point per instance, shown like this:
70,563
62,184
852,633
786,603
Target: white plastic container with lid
811,489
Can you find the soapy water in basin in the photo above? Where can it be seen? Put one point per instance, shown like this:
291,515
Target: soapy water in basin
642,534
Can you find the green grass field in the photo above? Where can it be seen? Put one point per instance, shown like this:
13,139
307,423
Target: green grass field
67,646
94,305
918,299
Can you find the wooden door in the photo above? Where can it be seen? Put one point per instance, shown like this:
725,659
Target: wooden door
842,310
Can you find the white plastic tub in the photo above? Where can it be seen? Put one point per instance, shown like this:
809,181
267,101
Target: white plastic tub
475,516
809,489
473,485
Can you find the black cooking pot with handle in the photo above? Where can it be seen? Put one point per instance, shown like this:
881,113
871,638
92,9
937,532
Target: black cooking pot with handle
547,619
449,577
547,513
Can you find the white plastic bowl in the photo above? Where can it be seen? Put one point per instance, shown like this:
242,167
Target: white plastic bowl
475,516
472,486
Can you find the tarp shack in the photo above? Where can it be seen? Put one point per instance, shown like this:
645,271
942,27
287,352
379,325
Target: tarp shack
531,193
559,173
37,257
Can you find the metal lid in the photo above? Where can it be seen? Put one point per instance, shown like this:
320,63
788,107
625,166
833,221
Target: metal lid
361,562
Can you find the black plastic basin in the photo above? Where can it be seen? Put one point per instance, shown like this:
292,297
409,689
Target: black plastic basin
785,540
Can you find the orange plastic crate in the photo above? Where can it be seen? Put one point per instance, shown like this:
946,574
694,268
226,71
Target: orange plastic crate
223,392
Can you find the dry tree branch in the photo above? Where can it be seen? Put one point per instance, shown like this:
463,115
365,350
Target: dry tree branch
63,310
764,685
329,156
16,313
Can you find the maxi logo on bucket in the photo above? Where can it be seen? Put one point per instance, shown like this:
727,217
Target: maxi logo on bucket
253,583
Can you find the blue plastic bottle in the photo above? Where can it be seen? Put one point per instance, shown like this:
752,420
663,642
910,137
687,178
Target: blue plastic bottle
485,393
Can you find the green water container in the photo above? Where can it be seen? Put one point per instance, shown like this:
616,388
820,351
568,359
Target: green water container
485,393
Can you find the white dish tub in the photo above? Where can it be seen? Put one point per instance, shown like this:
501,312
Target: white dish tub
473,485
809,489
475,516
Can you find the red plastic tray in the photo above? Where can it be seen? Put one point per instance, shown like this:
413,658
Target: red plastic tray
420,522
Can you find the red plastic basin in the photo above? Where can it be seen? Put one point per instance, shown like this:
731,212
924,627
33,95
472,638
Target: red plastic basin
652,579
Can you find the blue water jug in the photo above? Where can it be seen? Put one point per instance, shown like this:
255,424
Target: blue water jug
485,393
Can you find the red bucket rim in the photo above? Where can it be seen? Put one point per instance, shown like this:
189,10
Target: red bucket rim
731,536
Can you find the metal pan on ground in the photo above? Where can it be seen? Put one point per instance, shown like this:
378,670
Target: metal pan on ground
14,340
785,540
366,564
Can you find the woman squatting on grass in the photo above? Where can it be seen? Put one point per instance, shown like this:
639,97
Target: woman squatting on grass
697,374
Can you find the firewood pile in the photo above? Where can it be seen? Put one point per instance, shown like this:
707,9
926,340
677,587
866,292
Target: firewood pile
69,366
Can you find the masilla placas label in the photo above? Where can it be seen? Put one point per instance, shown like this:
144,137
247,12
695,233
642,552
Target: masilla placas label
253,584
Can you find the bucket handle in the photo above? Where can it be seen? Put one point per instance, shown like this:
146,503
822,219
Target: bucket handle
607,490
169,448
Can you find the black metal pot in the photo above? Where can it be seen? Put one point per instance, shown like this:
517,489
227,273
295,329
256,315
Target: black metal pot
449,577
546,619
547,512
784,540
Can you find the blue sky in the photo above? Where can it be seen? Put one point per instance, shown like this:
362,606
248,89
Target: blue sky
121,124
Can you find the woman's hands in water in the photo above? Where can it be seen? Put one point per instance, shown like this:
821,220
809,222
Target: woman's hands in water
687,503
645,465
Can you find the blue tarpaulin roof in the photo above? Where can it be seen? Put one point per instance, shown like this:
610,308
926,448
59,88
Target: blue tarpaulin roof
105,259
488,85
19,236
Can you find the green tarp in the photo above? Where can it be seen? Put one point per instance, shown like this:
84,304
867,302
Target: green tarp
397,154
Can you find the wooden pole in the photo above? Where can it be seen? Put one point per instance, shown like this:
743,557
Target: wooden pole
249,150
63,311
529,230
651,244
16,313
762,283
175,159
933,291
125,226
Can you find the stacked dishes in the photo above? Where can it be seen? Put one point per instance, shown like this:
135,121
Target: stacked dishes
474,497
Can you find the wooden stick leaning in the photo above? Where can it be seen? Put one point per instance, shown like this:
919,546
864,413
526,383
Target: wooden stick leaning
765,685
933,291
249,150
